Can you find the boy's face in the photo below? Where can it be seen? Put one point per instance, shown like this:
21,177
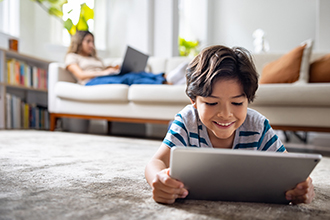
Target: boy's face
224,111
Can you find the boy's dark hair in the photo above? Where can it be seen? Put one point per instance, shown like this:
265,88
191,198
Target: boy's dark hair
220,62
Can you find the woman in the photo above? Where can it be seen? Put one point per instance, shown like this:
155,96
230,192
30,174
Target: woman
88,69
81,59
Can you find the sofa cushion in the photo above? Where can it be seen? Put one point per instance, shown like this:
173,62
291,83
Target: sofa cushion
320,70
99,93
284,70
316,95
158,94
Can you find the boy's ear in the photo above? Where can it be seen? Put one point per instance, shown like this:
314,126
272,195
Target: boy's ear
193,102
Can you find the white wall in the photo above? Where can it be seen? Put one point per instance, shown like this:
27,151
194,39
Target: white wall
148,25
152,25
195,20
286,22
166,28
36,34
323,25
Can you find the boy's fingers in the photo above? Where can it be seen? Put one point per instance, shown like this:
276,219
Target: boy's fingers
303,193
307,198
165,197
163,200
166,189
306,184
183,193
169,190
168,181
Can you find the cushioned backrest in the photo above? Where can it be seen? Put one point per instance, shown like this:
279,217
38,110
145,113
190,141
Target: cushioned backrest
156,65
173,62
317,55
260,60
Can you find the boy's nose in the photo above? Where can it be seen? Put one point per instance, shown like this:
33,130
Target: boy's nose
224,112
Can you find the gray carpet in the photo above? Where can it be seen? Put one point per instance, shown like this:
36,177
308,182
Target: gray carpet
55,175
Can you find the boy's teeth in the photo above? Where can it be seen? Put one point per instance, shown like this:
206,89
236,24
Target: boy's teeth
223,124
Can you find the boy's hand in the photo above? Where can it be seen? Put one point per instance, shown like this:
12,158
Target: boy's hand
165,189
303,193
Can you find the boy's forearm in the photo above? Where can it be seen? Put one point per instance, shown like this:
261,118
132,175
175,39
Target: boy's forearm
152,168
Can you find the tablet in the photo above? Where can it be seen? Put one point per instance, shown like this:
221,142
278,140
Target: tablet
240,175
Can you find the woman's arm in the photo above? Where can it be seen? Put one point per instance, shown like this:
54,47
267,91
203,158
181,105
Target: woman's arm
82,75
164,188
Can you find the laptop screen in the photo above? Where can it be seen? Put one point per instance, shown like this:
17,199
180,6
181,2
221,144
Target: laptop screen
134,61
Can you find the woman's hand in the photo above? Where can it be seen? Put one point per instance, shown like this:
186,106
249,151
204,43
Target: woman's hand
165,189
303,193
111,70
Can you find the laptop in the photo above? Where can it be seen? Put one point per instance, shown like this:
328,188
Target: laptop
134,61
240,175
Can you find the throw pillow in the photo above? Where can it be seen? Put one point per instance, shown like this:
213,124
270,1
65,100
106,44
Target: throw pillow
320,70
305,62
284,70
178,75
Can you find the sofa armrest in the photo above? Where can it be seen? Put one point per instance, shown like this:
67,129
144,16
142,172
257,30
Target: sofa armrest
56,73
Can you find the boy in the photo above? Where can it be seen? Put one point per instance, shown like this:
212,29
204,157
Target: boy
220,83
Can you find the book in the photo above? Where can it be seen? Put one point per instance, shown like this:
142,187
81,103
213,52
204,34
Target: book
16,112
8,111
20,73
8,71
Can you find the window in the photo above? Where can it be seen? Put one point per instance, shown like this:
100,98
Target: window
72,10
9,17
97,25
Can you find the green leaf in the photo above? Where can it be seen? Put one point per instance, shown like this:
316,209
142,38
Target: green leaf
73,30
55,11
52,1
82,24
68,24
86,12
56,2
60,3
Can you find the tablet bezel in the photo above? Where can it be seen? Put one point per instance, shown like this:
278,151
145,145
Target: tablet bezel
206,172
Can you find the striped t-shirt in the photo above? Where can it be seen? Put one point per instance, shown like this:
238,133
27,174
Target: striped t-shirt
254,134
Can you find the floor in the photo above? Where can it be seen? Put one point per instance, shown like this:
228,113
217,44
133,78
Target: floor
67,175
317,142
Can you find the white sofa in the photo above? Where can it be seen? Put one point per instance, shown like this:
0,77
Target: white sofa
115,102
297,107
293,106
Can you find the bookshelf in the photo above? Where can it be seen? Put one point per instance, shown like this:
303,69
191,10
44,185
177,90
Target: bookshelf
23,91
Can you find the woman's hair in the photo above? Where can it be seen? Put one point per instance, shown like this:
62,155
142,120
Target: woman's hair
220,62
76,42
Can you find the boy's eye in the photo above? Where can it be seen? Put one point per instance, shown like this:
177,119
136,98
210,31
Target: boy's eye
211,103
237,103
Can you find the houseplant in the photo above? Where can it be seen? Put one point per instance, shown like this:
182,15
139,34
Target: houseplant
188,48
54,8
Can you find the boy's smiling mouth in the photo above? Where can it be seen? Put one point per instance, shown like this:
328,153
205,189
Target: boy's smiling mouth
224,124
